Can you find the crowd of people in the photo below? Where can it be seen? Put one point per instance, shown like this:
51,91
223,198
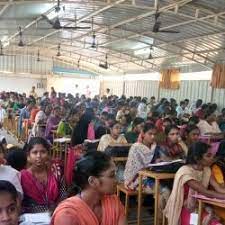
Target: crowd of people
32,183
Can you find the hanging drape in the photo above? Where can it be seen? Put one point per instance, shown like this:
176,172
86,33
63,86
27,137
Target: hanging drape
218,76
170,79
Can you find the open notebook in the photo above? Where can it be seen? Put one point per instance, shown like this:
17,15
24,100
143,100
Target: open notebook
35,219
165,163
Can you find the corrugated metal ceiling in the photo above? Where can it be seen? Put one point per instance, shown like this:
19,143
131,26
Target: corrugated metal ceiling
123,29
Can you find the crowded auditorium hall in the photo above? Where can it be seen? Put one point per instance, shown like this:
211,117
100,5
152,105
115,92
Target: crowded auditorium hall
112,112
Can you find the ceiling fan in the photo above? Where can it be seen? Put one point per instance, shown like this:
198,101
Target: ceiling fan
21,43
104,65
157,25
38,56
57,25
58,7
58,52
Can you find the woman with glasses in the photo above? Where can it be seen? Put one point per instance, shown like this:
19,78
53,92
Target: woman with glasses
115,137
173,148
93,201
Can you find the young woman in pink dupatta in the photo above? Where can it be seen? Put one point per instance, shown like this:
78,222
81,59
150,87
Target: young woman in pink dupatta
193,178
42,183
94,201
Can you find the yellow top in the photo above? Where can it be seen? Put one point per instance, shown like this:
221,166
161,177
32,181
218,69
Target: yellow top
218,174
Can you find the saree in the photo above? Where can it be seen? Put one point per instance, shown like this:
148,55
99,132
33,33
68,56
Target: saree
176,201
41,197
75,207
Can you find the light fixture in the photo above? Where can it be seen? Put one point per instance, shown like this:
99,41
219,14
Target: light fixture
1,48
93,45
150,53
38,56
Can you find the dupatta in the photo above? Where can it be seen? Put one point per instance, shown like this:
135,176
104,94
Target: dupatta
75,207
42,194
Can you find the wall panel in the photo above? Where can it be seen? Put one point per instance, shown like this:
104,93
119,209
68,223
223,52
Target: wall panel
115,86
219,97
21,84
67,85
191,89
143,88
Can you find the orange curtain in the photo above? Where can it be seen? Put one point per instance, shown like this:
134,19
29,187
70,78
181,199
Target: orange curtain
218,76
170,79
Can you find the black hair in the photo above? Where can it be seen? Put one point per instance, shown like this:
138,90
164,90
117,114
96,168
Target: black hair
111,116
182,103
169,128
221,150
91,164
111,125
7,187
16,158
3,141
196,152
148,126
190,128
104,113
198,103
193,120
37,141
167,120
204,106
137,120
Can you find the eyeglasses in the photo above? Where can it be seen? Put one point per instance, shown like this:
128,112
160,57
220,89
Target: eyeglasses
173,134
111,176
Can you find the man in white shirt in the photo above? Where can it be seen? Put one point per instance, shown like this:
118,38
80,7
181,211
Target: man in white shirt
3,113
181,109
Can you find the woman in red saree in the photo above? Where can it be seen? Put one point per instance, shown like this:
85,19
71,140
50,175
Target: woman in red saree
94,201
42,183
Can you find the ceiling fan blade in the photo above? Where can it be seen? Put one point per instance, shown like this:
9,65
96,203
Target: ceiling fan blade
48,20
169,31
75,28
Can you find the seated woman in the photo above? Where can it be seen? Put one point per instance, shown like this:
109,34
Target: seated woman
113,138
42,183
141,154
66,125
173,148
52,123
161,136
195,177
9,204
41,118
80,131
93,200
208,125
218,171
191,134
137,127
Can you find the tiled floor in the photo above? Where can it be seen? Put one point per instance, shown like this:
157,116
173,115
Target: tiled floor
147,217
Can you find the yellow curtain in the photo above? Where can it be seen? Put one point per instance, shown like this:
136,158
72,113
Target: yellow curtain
218,76
170,79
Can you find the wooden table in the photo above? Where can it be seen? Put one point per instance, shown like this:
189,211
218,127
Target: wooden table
209,202
60,143
157,177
